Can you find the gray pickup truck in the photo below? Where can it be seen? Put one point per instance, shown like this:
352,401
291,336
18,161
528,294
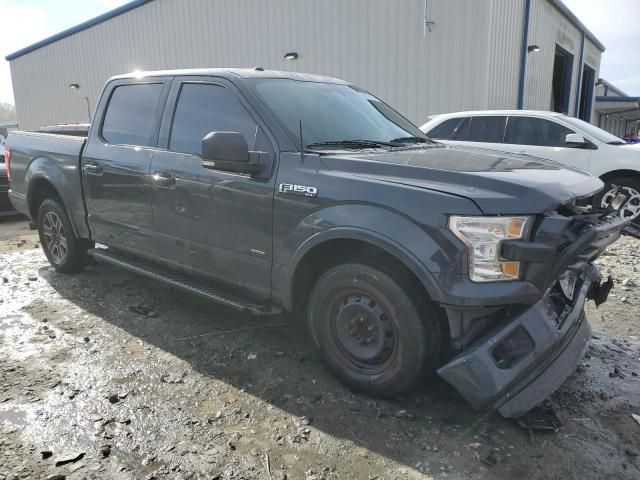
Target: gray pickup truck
271,191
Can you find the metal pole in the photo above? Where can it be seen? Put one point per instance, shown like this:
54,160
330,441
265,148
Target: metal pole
523,53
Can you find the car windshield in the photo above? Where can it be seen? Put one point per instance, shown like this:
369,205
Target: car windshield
332,113
593,131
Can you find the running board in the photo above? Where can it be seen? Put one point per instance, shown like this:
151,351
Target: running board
185,282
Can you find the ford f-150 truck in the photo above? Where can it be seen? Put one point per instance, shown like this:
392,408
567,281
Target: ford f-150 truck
271,191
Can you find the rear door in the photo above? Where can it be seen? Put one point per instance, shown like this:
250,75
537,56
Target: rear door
211,222
544,138
116,163
485,131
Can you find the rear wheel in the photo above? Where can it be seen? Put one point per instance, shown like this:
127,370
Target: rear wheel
373,329
630,187
65,252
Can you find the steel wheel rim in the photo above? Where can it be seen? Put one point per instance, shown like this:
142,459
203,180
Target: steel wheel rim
632,206
55,237
364,332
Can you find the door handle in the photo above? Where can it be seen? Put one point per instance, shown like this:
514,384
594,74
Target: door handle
93,168
163,179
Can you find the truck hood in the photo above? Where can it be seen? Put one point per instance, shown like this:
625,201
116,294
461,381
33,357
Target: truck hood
497,182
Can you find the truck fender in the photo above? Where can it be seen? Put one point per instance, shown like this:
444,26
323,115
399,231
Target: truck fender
388,230
44,169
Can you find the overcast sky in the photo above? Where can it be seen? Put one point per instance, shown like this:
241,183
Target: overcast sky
25,22
615,22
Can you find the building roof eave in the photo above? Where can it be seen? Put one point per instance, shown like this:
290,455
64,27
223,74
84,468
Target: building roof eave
127,7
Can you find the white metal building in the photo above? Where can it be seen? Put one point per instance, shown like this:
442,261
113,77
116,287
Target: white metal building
421,56
615,111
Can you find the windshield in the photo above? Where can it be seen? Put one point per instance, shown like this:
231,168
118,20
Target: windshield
592,130
333,113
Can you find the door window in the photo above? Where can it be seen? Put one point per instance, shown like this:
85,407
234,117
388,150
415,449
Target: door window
487,129
131,113
445,130
204,108
536,131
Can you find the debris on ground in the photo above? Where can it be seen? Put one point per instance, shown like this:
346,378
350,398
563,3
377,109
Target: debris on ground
68,457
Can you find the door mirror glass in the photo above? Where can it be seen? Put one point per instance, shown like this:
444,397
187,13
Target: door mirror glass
575,140
228,151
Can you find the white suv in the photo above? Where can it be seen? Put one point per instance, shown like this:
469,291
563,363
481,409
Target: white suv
554,136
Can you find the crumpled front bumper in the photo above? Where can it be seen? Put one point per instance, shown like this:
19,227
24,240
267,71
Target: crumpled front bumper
519,364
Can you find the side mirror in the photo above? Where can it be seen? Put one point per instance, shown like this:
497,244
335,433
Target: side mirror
228,151
575,140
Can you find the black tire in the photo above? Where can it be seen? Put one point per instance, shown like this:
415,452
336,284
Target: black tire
65,252
629,186
375,361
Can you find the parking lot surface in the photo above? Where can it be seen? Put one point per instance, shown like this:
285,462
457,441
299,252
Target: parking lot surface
106,374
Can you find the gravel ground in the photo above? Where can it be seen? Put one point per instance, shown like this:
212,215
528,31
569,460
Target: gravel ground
108,375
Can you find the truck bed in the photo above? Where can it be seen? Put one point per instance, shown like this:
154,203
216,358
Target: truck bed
51,159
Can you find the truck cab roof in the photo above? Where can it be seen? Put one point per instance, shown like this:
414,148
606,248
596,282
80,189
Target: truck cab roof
232,73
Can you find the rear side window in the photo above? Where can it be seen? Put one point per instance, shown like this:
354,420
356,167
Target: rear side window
487,129
445,130
536,131
130,114
205,108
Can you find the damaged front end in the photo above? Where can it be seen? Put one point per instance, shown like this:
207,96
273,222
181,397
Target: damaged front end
511,357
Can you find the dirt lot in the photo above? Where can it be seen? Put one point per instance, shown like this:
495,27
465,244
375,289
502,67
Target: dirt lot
108,375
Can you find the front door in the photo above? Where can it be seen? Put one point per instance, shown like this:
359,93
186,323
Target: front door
116,164
545,139
207,221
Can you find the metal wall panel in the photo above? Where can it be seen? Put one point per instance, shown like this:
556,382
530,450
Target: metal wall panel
503,64
468,61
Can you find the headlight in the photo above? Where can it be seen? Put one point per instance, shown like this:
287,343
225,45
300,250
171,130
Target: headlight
483,235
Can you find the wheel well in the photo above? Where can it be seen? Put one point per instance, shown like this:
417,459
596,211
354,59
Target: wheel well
620,173
40,190
328,254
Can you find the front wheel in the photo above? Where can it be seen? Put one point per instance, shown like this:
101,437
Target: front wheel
629,187
65,252
373,329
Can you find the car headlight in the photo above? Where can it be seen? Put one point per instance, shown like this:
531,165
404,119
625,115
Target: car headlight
483,235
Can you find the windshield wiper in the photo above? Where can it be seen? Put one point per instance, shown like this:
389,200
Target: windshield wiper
357,143
410,140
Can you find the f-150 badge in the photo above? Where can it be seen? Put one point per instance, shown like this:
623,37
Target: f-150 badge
298,190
